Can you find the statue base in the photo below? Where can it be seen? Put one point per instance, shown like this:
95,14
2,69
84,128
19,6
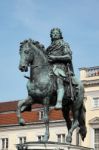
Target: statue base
49,146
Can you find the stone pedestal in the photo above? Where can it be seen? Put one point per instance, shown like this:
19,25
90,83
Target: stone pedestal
49,146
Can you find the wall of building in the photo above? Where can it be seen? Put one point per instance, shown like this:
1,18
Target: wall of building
91,84
32,132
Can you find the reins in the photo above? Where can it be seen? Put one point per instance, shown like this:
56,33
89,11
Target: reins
34,67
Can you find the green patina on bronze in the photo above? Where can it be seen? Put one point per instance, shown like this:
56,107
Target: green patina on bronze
52,82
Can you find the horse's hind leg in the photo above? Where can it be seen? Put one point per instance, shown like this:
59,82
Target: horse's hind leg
74,125
82,122
21,107
66,114
46,119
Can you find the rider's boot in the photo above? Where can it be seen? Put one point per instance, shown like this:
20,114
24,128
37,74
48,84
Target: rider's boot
60,95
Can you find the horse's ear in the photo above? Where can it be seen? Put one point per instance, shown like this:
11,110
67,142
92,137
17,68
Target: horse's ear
30,40
21,43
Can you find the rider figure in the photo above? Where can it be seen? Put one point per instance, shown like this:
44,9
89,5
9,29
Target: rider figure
59,54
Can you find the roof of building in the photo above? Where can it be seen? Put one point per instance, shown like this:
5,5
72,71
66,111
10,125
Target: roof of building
88,68
12,106
8,114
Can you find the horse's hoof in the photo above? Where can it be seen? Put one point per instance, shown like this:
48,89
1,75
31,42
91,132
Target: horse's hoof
58,106
45,139
21,122
68,139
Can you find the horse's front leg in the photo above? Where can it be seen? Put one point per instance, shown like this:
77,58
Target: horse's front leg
18,112
21,107
74,125
46,119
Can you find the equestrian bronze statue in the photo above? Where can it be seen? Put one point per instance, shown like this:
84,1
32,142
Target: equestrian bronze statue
52,82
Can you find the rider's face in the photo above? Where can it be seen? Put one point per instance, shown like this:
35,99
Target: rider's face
55,34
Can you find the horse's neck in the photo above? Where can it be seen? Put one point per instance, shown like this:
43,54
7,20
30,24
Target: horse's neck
40,62
39,57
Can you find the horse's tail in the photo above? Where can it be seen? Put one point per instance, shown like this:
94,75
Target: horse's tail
82,122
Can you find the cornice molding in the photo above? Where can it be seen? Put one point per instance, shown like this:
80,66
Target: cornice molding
88,83
34,125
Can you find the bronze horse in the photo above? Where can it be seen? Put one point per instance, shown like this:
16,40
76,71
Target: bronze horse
41,88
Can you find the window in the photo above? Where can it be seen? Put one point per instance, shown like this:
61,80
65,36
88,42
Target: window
96,140
40,137
22,140
4,143
41,115
96,102
61,138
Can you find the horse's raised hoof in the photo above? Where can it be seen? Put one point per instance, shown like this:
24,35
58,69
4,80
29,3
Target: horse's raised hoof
21,122
68,139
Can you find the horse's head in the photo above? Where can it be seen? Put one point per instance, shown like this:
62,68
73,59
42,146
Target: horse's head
26,55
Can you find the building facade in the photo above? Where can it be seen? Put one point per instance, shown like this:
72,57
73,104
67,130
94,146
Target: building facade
90,78
11,133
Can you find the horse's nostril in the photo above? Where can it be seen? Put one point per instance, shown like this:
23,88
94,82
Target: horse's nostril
23,68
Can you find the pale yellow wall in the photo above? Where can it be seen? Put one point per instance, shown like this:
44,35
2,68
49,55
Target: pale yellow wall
90,111
83,74
32,132
90,114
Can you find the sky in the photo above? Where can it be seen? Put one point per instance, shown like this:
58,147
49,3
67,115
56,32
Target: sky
24,19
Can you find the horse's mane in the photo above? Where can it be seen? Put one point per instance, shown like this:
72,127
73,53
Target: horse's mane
39,45
36,43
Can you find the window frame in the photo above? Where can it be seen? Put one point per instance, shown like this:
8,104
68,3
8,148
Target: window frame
40,138
22,139
61,138
4,143
95,102
95,143
41,115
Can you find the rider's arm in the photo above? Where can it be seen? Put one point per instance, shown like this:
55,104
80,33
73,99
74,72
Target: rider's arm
66,57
